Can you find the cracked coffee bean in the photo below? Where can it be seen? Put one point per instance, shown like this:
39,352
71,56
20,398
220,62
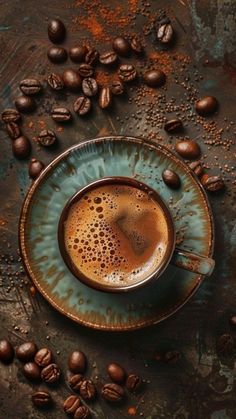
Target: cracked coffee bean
87,390
21,148
71,404
105,98
112,392
72,80
77,54
108,58
225,344
25,104
75,381
61,114
121,46
32,371
77,362
56,31
6,351
57,55
85,70
43,357
197,168
154,78
90,87
173,125
172,357
41,399
10,115
51,373
30,86
171,179
117,87
206,106
35,168
188,149
127,72
55,81
82,105
212,183
46,138
92,56
133,382
116,372
165,33
136,45
13,130
82,413
26,351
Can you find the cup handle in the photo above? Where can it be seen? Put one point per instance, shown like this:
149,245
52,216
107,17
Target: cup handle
191,262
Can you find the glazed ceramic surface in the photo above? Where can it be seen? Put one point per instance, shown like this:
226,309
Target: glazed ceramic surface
74,169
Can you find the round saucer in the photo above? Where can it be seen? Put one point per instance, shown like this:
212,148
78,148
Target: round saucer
71,171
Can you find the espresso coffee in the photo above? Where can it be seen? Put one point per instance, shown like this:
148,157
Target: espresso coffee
116,234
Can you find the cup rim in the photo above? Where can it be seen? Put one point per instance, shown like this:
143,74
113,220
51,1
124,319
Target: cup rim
106,287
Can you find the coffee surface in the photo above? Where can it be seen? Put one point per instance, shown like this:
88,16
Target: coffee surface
116,234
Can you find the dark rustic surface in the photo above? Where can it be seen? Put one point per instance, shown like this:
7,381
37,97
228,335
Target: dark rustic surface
201,384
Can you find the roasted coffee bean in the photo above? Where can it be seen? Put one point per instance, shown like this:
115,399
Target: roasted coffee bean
35,168
46,138
121,46
55,81
57,55
112,392
21,148
117,87
87,390
25,104
225,344
13,130
108,58
171,179
90,87
133,382
71,404
232,321
85,70
32,371
51,373
75,381
172,357
30,86
116,372
82,413
61,114
41,399
206,105
6,351
127,72
72,80
77,362
82,105
105,98
154,78
165,33
188,149
173,125
77,54
26,351
43,357
10,115
212,183
56,31
136,45
196,167
92,56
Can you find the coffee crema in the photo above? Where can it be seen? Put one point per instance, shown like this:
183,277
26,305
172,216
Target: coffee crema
116,234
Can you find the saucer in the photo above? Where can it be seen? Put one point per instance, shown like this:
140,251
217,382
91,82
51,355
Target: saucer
67,174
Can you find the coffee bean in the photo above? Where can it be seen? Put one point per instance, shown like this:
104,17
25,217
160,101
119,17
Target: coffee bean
82,105
61,114
35,168
154,78
71,404
10,115
105,98
188,149
77,54
26,351
136,45
77,362
13,130
32,371
82,413
133,382
127,72
25,104
112,392
56,31
117,87
232,321
212,183
6,351
121,46
108,58
206,105
46,138
57,55
172,357
89,87
225,344
21,147
196,167
41,399
92,56
55,81
43,357
30,86
116,372
86,70
51,373
87,390
165,33
171,179
173,125
75,381
72,80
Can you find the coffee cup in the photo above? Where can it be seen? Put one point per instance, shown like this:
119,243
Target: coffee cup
116,234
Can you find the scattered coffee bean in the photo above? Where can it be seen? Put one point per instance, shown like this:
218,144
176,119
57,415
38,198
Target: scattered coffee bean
26,351
35,168
82,105
212,183
173,125
11,115
87,390
225,344
105,98
72,80
232,321
71,404
13,130
55,81
21,148
32,371
75,381
57,55
127,72
77,362
25,104
188,149
56,31
41,399
77,54
154,78
82,413
92,56
136,45
51,373
30,86
86,70
112,392
206,105
133,382
165,33
121,46
171,179
61,114
196,167
6,351
46,138
90,87
108,58
172,357
117,87
116,372
43,357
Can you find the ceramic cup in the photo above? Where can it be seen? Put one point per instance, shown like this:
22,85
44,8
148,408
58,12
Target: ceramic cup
174,255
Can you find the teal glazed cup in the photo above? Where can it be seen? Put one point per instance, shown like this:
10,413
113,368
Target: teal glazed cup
181,258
